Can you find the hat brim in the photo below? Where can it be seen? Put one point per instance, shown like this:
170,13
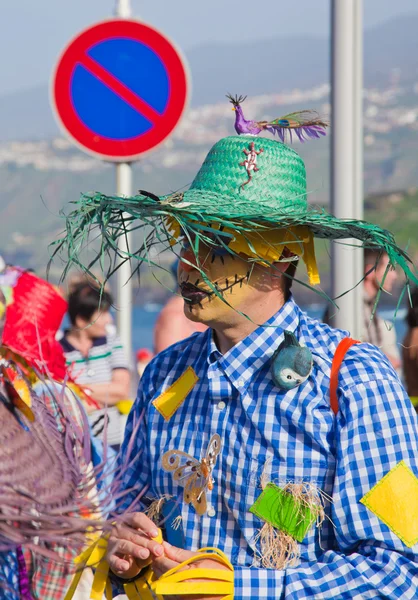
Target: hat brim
204,206
201,212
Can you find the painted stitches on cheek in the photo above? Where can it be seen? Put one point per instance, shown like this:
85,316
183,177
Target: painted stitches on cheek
194,295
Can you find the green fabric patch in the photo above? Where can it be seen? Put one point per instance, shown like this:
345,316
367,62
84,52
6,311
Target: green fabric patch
283,511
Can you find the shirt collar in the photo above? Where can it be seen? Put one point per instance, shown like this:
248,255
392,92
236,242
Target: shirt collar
249,355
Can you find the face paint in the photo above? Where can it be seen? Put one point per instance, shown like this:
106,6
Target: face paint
237,280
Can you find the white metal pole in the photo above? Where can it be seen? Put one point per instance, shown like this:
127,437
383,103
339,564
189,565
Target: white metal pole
346,167
358,293
124,188
124,297
123,9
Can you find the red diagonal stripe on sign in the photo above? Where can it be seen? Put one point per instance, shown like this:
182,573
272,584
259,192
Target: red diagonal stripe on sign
120,89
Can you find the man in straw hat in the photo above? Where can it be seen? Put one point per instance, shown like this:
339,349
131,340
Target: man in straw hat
286,453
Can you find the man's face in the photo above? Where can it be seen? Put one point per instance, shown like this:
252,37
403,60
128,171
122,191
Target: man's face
241,283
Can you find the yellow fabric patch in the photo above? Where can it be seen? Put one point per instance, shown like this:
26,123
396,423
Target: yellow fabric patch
169,401
268,244
394,499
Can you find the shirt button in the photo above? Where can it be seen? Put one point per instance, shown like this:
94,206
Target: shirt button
211,511
221,405
240,382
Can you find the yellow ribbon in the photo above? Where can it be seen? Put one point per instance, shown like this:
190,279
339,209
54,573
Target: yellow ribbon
147,587
140,589
94,556
178,582
268,244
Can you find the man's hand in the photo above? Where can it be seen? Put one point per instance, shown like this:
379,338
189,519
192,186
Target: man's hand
130,546
174,556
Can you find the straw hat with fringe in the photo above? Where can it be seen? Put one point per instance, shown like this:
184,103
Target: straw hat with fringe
249,197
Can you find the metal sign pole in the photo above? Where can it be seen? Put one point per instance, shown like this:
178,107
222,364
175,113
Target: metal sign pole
124,296
358,159
124,188
346,161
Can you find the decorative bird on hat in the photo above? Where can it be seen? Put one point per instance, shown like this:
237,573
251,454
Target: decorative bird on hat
305,123
291,363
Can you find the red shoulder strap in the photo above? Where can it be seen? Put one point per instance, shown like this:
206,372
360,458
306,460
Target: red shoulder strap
339,355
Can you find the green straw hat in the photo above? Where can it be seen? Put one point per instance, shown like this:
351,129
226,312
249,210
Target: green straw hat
222,184
248,188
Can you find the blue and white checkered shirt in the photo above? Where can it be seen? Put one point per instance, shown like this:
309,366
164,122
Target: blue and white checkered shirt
296,437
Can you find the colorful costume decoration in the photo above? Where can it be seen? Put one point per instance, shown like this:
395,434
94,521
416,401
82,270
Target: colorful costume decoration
269,214
147,587
295,439
250,162
45,443
291,364
305,123
32,319
194,475
50,494
296,445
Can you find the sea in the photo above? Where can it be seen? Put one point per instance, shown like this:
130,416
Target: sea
144,317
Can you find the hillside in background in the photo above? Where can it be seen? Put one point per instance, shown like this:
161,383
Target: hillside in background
41,172
264,67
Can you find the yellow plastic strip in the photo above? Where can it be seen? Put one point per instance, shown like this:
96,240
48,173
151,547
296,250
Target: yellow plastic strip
98,552
218,581
215,554
131,591
22,389
216,574
109,591
85,555
309,259
99,582
169,401
74,583
140,588
190,588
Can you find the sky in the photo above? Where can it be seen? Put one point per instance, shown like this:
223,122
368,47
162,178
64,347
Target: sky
33,32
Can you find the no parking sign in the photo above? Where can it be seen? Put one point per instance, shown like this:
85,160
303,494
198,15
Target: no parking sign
119,89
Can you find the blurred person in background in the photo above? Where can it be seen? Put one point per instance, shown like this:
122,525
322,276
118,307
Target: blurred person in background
410,350
172,325
143,358
96,359
379,331
376,330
